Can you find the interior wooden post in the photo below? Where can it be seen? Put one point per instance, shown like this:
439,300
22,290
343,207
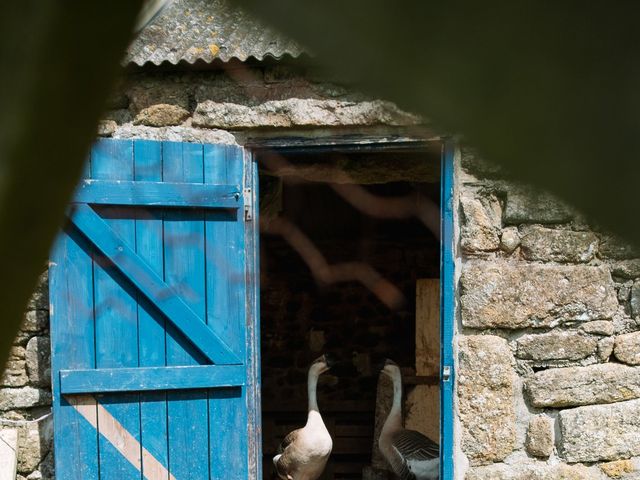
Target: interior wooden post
422,404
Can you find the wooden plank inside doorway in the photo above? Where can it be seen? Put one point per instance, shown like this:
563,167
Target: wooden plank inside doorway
423,403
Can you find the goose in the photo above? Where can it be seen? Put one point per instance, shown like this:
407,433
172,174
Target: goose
411,455
303,453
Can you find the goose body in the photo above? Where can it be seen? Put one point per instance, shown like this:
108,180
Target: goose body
411,455
303,453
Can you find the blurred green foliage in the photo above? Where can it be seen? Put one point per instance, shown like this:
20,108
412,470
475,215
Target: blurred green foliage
58,61
548,90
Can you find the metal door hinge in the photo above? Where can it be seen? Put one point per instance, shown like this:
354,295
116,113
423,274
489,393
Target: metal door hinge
248,205
446,373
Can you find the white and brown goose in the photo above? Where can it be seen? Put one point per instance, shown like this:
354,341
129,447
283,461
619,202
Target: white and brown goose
303,453
411,455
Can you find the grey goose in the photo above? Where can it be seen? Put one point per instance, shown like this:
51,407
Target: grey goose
303,453
411,455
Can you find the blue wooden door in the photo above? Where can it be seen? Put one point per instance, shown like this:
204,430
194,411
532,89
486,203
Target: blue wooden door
154,316
447,311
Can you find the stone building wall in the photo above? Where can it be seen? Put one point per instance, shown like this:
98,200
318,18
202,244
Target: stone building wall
548,381
25,390
548,362
220,106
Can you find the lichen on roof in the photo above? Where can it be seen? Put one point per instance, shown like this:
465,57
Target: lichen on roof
207,30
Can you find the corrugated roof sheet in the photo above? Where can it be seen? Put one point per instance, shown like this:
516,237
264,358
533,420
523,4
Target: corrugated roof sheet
206,30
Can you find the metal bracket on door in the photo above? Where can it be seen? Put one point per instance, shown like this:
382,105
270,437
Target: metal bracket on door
248,205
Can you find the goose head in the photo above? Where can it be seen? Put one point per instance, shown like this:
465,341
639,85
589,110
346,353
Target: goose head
391,369
321,364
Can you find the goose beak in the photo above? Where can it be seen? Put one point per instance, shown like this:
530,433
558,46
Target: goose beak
387,367
329,361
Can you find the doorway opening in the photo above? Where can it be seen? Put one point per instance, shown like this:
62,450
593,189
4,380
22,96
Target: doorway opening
350,267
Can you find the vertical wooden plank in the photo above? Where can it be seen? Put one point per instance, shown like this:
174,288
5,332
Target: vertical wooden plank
116,311
428,326
226,279
447,304
185,271
151,324
252,322
423,402
72,346
226,314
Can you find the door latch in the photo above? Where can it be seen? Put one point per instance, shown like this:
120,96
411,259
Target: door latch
248,205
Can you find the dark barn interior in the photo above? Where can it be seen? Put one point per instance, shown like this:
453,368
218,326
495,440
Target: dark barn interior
306,312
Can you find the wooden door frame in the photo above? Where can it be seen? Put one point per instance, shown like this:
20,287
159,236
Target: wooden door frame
310,143
252,252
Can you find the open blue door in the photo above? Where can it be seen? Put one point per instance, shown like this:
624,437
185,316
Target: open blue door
447,312
153,291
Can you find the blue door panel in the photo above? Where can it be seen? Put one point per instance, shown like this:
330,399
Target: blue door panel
125,275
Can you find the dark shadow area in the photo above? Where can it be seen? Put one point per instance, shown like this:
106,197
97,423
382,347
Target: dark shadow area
303,316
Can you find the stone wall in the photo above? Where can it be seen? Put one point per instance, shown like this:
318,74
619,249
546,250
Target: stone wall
214,106
548,379
25,390
548,382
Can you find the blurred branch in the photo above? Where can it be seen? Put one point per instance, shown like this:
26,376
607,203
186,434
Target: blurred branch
324,273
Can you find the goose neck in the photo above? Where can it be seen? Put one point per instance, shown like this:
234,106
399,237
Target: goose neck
396,406
394,419
312,387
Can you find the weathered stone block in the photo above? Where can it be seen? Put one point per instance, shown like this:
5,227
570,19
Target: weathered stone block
605,348
510,239
25,397
106,128
486,390
617,468
176,134
504,295
35,321
539,441
533,471
15,374
573,386
478,166
624,291
162,115
38,360
120,116
550,245
612,247
634,299
627,348
556,345
481,223
600,432
301,113
598,327
40,298
149,92
34,443
626,268
524,205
